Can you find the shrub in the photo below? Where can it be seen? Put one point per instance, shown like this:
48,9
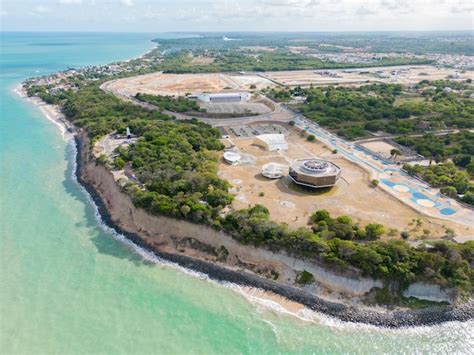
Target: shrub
449,191
119,163
374,231
304,277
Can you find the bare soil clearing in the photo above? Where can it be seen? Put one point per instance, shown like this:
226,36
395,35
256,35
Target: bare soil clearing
181,84
410,74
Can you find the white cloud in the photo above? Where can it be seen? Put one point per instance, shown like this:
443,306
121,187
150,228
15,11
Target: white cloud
127,2
70,2
41,9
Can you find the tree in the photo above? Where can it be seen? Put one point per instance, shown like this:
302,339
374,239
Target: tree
394,153
119,163
462,160
320,215
449,191
375,182
468,198
374,231
311,138
470,168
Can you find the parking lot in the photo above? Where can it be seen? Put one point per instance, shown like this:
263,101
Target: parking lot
246,131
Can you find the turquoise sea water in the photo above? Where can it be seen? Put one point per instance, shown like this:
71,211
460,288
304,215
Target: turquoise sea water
69,286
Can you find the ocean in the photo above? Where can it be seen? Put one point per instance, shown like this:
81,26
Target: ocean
68,285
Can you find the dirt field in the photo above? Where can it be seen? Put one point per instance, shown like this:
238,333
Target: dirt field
288,203
405,75
181,84
380,147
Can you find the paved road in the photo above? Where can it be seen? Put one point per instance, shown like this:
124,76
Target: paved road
393,136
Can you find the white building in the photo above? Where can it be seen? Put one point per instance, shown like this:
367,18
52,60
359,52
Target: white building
274,170
232,157
224,97
271,142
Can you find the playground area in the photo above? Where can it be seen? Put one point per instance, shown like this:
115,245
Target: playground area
353,195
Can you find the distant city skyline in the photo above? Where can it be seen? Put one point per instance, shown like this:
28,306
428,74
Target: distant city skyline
244,15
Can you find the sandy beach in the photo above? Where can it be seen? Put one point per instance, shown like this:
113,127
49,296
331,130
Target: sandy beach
51,112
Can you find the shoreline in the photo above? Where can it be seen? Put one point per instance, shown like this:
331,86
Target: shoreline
292,300
51,112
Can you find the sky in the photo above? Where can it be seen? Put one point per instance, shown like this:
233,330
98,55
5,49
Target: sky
237,15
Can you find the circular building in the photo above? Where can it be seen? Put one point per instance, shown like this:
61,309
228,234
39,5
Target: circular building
315,173
232,158
273,170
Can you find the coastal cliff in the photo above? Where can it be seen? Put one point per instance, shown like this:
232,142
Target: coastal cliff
218,255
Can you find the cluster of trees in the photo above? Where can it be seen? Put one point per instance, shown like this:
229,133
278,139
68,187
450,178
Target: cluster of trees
441,84
453,182
353,112
176,161
343,227
447,264
422,42
169,103
459,147
237,60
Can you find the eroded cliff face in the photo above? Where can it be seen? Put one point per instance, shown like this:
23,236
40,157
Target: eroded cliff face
174,236
429,292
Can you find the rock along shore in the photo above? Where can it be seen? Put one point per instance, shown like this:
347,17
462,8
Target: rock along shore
391,319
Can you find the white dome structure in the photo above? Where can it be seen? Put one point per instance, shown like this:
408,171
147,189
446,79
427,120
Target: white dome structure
273,170
271,142
232,158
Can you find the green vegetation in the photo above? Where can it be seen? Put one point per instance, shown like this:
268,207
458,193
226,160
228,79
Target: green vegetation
446,263
458,146
237,60
304,277
175,104
174,160
353,112
403,42
342,227
451,180
311,138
